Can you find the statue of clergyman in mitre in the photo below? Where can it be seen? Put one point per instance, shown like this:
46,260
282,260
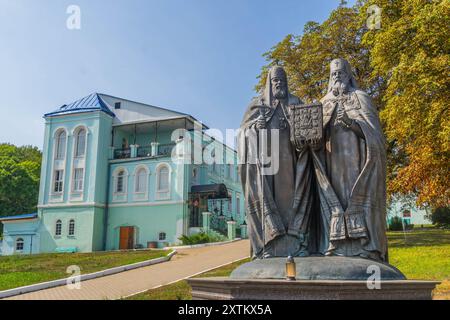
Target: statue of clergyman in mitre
355,162
267,166
327,196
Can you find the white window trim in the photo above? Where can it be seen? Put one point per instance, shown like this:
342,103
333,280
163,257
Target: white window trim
72,179
74,228
58,193
125,185
75,138
54,233
15,245
158,193
58,196
55,143
140,193
78,195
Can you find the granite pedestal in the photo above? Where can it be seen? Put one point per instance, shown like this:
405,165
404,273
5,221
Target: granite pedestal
318,278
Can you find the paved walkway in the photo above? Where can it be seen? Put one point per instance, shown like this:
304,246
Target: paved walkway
186,263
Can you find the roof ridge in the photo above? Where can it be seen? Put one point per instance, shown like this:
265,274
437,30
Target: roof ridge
89,103
146,104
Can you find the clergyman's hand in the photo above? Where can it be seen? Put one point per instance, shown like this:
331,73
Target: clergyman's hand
343,119
260,123
316,144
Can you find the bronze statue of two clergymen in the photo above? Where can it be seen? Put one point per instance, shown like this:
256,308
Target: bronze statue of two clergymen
314,175
314,183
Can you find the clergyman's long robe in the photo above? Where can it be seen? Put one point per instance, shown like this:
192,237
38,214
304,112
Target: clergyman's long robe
356,169
267,236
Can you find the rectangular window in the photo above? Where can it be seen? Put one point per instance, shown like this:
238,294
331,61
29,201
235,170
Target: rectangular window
117,105
230,202
141,181
78,175
163,179
19,244
58,187
119,187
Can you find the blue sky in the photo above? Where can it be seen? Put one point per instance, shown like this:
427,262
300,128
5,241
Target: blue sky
200,57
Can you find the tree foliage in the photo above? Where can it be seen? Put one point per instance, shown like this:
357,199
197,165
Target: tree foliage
19,179
404,66
441,217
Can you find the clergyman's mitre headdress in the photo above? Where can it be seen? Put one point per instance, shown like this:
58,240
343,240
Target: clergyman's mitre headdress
342,64
276,71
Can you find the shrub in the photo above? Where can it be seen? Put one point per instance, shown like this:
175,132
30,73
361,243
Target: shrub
199,238
396,224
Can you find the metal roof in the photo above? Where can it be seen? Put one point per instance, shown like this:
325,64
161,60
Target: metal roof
20,216
97,102
90,103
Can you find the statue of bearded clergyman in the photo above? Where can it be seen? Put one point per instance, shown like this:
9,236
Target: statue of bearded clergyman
355,163
268,195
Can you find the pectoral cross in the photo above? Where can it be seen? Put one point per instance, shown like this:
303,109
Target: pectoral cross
339,104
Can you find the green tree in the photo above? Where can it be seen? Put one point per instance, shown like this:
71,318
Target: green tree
412,52
404,66
19,179
441,216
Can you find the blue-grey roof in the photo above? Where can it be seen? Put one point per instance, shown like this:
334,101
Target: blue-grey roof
20,216
92,102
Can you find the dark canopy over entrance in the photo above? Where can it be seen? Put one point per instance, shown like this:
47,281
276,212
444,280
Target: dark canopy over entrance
211,191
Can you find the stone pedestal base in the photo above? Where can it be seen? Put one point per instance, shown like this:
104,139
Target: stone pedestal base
266,289
318,268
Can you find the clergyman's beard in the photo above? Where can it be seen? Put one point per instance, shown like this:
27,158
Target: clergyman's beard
340,87
279,93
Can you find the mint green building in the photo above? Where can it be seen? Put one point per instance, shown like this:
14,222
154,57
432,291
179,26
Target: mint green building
118,174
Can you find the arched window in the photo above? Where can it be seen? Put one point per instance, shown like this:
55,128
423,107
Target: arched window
80,143
71,227
19,244
163,178
58,228
120,181
60,145
141,181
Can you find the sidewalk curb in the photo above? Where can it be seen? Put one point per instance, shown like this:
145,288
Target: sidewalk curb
201,245
84,277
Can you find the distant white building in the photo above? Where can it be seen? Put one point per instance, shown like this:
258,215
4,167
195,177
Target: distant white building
408,211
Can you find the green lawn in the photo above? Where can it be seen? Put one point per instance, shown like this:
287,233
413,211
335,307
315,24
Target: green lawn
424,255
17,271
419,254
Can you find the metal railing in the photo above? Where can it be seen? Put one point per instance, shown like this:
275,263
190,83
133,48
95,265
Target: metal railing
122,153
144,151
165,149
